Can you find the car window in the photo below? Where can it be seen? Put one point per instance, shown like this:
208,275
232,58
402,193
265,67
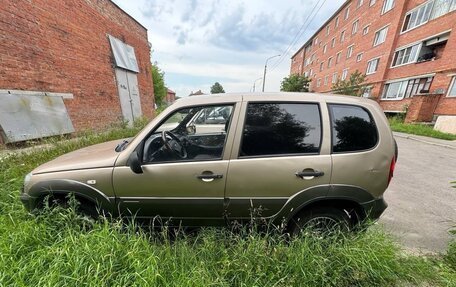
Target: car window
189,134
281,129
353,128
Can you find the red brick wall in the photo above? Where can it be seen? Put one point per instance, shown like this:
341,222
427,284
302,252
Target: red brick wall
422,108
367,16
62,46
443,67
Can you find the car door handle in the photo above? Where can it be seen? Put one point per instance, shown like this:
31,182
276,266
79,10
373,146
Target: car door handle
207,177
309,173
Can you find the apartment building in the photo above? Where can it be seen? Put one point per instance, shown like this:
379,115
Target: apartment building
406,48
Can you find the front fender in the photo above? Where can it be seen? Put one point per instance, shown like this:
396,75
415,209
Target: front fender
65,187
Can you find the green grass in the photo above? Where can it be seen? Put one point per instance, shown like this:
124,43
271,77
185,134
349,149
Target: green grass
397,125
60,248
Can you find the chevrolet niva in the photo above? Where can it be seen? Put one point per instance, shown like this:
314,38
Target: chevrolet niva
299,158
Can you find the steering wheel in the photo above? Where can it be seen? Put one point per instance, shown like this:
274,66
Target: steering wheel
174,145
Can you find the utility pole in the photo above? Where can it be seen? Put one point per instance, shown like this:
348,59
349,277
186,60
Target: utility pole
265,67
255,83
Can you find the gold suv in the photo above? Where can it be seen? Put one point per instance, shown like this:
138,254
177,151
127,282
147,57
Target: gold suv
206,160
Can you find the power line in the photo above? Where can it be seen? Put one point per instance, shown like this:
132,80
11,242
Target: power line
300,33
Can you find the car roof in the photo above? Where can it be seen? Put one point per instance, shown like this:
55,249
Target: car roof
274,96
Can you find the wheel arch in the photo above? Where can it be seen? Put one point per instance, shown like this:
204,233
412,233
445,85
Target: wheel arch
65,187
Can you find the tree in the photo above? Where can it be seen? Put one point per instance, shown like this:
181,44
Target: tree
159,84
295,83
217,88
353,86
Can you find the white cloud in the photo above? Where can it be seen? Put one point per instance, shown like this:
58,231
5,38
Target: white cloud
197,42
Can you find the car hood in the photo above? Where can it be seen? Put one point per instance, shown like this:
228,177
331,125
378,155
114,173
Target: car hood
95,156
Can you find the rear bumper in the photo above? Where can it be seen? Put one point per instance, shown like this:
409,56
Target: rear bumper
374,209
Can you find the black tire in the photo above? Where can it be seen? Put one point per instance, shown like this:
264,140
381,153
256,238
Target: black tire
83,207
320,220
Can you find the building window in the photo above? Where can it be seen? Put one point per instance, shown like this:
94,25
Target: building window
359,57
333,42
338,57
355,27
326,80
325,47
342,36
327,30
452,89
336,23
360,3
334,78
367,92
349,51
442,7
372,66
318,83
366,29
372,2
387,5
347,13
310,72
344,74
417,16
330,62
321,66
380,36
406,88
406,55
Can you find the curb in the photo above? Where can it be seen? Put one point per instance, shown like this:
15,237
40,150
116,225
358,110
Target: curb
405,136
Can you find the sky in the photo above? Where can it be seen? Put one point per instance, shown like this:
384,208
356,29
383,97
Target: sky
200,42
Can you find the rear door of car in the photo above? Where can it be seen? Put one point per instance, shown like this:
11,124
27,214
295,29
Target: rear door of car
279,150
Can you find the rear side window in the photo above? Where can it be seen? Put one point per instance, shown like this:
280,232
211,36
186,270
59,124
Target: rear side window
353,128
281,129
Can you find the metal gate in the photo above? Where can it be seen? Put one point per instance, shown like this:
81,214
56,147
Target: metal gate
127,81
130,103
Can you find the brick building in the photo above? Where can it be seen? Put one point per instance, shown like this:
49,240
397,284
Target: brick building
406,48
70,65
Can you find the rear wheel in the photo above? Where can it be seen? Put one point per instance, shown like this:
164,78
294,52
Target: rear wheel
321,220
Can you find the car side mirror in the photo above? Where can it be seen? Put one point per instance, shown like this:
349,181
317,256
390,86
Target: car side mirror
191,129
135,163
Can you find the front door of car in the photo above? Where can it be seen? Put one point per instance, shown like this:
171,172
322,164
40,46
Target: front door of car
184,172
279,155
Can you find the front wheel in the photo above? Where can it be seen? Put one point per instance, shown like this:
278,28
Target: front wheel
320,221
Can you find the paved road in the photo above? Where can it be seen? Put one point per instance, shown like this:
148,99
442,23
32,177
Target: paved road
422,203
